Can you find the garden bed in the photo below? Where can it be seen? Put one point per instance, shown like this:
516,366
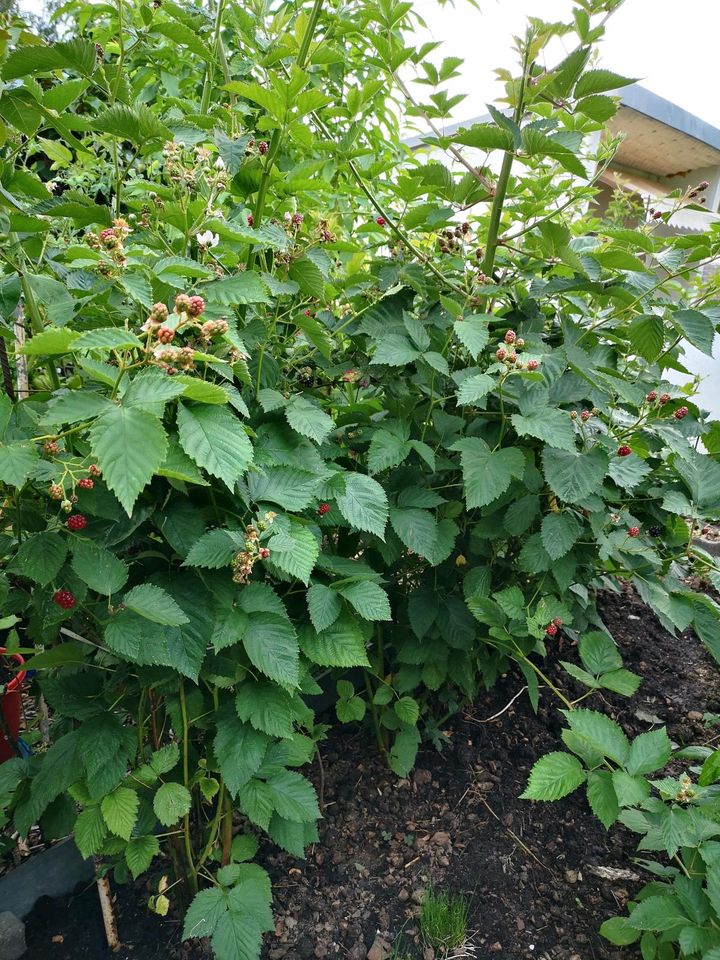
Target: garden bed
536,875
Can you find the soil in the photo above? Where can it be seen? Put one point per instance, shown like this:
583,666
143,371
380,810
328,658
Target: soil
535,875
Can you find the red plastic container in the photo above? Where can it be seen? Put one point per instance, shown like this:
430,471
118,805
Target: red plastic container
10,705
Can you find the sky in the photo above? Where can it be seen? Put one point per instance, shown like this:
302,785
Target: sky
671,47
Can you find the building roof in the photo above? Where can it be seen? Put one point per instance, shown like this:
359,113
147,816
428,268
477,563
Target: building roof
660,138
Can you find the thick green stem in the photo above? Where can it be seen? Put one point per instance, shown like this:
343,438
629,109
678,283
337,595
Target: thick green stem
36,323
191,871
217,50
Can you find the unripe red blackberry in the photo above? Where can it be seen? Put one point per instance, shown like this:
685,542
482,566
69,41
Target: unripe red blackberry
86,483
76,522
652,396
664,398
165,335
64,599
657,215
94,470
251,220
500,354
510,336
633,531
512,358
263,553
558,621
182,303
50,448
624,450
533,364
323,508
585,416
297,219
196,306
551,630
681,413
262,148
703,185
380,221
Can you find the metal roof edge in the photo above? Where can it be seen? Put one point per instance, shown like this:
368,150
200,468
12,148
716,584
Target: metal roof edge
644,101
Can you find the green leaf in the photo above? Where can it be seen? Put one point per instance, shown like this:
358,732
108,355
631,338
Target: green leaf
256,802
619,930
294,797
178,465
137,123
89,831
554,776
630,791
129,445
204,913
272,646
407,710
574,476
107,339
295,551
602,798
599,653
473,333
154,604
364,504
309,420
171,802
485,136
649,752
697,327
40,557
75,406
150,390
486,473
308,277
647,336
340,645
600,733
386,450
404,751
474,388
236,937
287,487
621,681
120,809
559,532
99,568
266,706
242,288
418,530
17,462
710,772
324,606
51,342
216,441
139,854
658,913
215,549
548,424
369,599
395,350
240,751
598,81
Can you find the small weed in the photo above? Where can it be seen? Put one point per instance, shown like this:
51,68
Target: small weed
444,919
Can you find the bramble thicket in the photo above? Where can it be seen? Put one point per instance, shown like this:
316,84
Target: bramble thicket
290,408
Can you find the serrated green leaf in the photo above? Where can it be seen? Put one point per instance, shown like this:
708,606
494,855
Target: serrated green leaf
155,604
574,476
552,426
559,531
139,854
293,797
89,831
602,798
266,706
649,752
272,646
99,568
216,441
487,473
658,913
17,462
324,606
340,645
40,557
171,802
309,420
369,599
364,504
119,810
129,445
601,734
554,776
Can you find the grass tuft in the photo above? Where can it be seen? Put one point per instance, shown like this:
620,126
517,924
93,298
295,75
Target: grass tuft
444,919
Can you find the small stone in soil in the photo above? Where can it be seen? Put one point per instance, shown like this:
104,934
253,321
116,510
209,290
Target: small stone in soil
380,950
12,937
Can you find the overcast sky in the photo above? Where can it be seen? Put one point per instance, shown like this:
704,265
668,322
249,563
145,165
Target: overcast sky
671,46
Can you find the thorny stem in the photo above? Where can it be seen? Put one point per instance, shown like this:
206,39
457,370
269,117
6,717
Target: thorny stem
207,83
192,872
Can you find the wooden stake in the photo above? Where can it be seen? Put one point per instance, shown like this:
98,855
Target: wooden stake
108,912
